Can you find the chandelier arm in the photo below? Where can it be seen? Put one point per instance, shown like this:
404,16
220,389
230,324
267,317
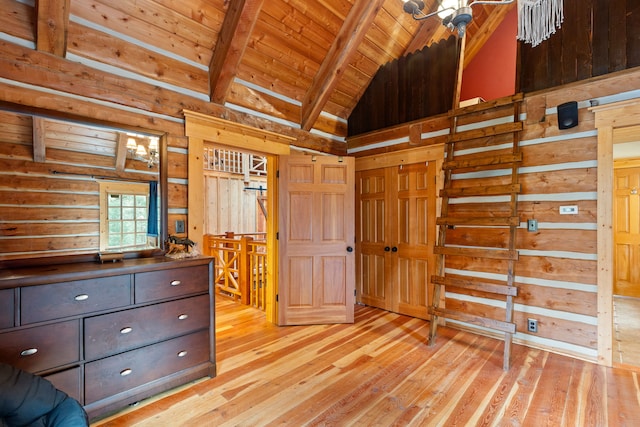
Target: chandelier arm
422,16
491,2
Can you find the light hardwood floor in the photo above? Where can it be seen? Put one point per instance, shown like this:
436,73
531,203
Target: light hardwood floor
379,372
627,330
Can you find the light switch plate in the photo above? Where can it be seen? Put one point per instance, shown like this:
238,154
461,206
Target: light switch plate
532,225
179,226
569,210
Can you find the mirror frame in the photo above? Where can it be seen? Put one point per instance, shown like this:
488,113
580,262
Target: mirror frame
163,173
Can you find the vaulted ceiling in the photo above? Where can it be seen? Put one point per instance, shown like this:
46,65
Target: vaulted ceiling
301,63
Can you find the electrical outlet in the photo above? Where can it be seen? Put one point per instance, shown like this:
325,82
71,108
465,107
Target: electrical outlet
532,325
532,225
179,226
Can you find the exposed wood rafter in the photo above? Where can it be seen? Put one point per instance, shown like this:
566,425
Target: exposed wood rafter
344,47
232,41
52,26
39,145
425,34
121,151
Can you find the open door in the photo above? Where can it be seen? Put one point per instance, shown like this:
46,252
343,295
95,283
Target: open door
626,227
316,240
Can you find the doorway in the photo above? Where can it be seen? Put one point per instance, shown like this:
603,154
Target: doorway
626,273
200,128
616,123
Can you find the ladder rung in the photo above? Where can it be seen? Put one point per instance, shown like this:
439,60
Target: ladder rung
475,252
498,325
503,159
488,105
486,131
489,221
490,190
475,285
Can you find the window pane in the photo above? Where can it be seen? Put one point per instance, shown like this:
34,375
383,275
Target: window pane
128,200
128,213
114,213
128,239
114,241
115,227
128,226
114,200
141,213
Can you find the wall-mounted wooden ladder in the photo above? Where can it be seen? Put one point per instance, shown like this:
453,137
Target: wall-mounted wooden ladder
479,219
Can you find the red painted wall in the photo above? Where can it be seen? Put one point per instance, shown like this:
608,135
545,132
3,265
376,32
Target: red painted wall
492,72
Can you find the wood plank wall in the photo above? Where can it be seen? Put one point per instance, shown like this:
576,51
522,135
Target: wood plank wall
156,86
556,273
412,87
597,37
230,206
51,207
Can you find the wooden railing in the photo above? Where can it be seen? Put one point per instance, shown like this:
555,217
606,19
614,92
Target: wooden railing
234,162
240,266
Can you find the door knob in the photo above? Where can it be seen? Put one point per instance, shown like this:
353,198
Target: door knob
394,249
387,248
349,249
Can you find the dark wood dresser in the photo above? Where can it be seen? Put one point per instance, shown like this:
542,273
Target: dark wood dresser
110,334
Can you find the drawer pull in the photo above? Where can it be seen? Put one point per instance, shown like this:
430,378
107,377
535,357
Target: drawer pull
126,330
175,282
125,372
183,317
183,353
81,297
29,352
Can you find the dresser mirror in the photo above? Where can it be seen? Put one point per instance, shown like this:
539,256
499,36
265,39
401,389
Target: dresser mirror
74,188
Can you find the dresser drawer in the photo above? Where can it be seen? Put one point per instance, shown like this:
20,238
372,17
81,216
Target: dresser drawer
43,347
157,285
125,371
58,300
68,381
124,330
6,308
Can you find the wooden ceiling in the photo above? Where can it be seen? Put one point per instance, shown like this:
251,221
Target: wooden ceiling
301,63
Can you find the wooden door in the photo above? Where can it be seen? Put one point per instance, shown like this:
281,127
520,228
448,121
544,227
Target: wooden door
415,234
395,223
316,240
627,232
373,279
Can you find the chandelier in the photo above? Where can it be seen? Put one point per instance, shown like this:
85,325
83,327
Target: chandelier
143,148
455,14
537,19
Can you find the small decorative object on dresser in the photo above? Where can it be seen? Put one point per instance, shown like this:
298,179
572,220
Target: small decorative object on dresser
110,334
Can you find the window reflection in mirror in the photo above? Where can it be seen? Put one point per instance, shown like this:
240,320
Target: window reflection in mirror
129,216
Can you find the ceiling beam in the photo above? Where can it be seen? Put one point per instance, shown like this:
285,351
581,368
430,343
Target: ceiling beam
121,151
344,47
232,41
39,140
428,28
52,26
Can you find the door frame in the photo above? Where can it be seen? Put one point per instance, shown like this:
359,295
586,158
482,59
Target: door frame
423,154
200,128
615,122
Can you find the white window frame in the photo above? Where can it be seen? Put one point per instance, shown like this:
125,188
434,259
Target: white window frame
108,188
